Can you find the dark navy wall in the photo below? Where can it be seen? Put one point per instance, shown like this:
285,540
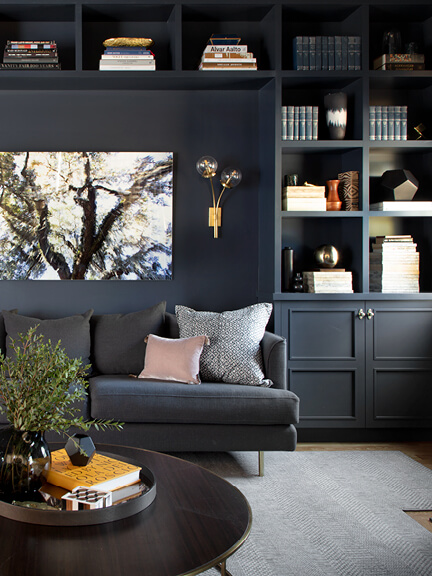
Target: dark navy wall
208,273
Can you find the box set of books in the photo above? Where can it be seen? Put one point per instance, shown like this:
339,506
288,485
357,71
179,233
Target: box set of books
299,122
224,52
327,53
128,54
394,265
307,197
328,281
30,55
388,122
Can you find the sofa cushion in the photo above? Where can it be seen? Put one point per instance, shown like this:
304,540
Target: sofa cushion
118,339
132,400
234,355
173,359
72,331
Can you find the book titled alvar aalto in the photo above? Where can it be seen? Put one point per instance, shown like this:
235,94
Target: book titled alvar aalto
102,473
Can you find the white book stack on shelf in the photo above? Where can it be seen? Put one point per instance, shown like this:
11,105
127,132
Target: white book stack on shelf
224,52
394,265
329,281
127,56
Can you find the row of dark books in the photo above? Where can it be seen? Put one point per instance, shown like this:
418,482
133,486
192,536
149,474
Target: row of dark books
388,122
224,52
299,122
327,53
33,55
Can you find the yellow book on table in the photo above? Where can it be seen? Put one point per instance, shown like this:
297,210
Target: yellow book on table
102,473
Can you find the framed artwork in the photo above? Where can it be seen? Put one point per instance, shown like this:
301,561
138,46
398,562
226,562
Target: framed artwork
86,215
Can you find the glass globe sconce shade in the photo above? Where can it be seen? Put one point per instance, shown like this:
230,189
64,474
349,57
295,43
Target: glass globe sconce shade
230,178
207,166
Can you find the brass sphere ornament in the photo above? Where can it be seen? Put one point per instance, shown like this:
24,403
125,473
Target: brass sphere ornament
326,256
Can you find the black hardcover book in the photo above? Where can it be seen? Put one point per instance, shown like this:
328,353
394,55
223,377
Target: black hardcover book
338,52
331,52
324,53
344,52
29,66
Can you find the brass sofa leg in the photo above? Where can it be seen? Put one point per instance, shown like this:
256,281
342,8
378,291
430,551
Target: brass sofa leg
261,463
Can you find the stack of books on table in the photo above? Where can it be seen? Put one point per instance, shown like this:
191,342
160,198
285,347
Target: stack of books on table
299,122
306,198
103,482
328,281
30,55
132,58
224,52
394,265
399,62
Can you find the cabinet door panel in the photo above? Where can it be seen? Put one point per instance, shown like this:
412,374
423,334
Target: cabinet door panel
325,394
403,334
403,395
324,334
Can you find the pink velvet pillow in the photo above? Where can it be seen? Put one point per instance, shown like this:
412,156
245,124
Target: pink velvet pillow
173,359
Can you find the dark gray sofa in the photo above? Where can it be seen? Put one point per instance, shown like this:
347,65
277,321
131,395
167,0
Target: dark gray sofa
171,417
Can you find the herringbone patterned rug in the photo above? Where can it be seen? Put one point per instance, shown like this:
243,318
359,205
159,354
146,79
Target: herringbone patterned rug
330,513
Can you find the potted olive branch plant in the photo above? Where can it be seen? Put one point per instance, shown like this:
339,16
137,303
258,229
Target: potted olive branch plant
40,390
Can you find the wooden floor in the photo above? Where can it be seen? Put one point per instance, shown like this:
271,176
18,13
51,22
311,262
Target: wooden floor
420,451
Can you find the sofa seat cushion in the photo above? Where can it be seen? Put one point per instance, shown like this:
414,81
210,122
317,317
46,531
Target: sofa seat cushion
128,399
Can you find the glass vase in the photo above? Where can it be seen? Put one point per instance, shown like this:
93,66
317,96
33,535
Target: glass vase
24,456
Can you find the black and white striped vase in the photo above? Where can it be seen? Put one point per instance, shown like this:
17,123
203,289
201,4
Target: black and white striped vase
336,114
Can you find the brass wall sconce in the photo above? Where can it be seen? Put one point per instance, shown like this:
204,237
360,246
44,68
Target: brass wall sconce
230,178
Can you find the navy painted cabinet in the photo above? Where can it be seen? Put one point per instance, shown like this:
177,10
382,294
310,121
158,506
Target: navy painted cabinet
359,364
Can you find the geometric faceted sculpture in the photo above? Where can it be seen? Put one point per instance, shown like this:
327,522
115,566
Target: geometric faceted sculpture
401,183
80,449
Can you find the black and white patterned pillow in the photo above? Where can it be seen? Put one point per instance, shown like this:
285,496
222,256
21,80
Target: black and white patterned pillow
234,354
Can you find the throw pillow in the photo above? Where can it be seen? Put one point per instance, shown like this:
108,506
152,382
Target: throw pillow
234,354
118,339
177,360
72,331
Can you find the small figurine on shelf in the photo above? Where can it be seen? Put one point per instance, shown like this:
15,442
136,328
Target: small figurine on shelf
298,282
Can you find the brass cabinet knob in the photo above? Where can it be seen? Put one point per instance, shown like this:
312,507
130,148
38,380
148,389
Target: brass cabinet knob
361,314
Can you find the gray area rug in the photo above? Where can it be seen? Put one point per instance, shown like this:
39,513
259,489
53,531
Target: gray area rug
329,513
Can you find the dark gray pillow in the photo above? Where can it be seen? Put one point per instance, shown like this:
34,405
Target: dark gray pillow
72,331
3,332
234,354
118,339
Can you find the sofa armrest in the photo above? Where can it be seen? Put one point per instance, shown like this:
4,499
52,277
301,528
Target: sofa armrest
273,348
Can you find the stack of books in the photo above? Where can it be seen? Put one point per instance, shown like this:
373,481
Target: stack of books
394,265
388,122
328,281
299,122
132,58
103,482
306,198
224,52
327,53
33,55
399,62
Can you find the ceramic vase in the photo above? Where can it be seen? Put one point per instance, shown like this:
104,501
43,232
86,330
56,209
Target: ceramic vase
336,114
24,456
333,203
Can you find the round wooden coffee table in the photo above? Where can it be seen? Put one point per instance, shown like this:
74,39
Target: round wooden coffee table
197,521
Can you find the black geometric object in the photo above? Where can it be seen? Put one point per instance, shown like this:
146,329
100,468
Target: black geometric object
401,183
73,446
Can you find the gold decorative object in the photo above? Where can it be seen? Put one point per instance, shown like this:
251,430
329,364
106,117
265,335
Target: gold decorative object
230,177
143,42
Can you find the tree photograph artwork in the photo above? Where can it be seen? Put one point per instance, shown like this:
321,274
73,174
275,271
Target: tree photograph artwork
86,215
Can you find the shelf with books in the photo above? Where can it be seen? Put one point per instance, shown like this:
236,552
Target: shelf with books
44,22
412,24
254,24
322,25
306,233
300,91
419,227
102,21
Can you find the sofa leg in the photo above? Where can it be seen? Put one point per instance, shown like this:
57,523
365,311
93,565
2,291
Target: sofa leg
261,463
